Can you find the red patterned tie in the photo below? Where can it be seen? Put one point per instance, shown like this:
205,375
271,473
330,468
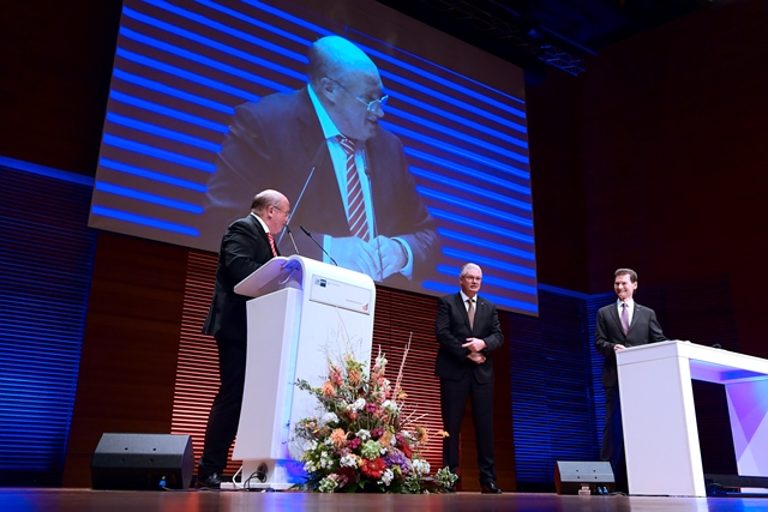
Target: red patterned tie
358,222
272,243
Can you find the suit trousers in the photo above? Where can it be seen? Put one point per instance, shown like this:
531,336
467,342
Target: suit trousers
612,449
225,412
453,400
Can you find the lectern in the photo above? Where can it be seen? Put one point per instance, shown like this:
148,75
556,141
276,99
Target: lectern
303,313
660,433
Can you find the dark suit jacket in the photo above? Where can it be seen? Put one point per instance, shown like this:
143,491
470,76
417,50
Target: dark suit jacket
452,329
273,143
244,248
644,329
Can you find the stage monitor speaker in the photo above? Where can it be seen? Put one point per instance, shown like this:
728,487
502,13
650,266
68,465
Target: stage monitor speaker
574,476
142,461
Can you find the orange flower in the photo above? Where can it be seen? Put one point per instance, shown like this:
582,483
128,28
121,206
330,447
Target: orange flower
385,439
421,435
338,438
329,389
354,376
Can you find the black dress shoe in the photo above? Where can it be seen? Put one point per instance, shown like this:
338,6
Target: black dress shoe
211,481
490,488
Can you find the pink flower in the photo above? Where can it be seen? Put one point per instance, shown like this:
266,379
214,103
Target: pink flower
335,376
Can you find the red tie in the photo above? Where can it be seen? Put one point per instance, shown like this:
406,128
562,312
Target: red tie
272,244
358,222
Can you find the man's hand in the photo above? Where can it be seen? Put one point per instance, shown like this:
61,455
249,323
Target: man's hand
618,348
476,357
353,253
393,256
474,344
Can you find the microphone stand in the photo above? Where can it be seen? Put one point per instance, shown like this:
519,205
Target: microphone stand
293,242
319,245
315,163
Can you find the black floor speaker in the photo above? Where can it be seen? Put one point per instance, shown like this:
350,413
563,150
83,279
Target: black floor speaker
142,461
573,476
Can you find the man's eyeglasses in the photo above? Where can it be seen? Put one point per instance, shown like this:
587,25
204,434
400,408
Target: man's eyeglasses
284,212
372,106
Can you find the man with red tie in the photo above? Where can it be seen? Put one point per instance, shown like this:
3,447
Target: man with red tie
324,144
468,330
247,245
622,324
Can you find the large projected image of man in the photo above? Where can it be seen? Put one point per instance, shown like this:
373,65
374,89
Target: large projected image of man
359,201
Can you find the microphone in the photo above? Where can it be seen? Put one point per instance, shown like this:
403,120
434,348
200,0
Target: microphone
319,245
315,163
293,242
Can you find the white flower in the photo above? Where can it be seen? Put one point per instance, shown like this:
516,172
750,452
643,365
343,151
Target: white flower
348,461
389,405
420,466
329,417
363,434
386,477
359,404
381,361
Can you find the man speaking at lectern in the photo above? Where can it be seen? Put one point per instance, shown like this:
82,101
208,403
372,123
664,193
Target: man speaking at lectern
620,325
246,246
354,195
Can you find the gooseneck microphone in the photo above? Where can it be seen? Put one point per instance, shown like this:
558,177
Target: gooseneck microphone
319,245
293,242
316,161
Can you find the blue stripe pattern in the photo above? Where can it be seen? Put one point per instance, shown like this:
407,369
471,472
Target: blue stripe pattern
182,68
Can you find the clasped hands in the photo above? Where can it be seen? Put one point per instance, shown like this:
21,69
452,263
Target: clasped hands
475,345
379,258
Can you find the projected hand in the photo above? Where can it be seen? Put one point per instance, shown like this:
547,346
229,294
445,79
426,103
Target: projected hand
392,255
355,254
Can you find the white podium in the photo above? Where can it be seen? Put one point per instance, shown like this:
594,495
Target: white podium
660,433
304,312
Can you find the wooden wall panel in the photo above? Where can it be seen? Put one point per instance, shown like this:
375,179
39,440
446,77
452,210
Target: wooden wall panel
130,346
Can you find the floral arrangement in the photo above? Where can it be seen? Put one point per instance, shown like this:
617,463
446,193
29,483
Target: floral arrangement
361,442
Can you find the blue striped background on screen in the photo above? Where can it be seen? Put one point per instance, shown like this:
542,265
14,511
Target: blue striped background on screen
181,68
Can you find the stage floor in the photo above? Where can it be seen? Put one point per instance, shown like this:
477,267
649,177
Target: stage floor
79,500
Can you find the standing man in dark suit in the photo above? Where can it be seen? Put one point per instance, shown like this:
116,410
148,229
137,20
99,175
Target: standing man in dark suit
360,202
622,324
247,245
468,330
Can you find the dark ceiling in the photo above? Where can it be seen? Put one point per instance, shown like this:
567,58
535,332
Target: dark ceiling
539,34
